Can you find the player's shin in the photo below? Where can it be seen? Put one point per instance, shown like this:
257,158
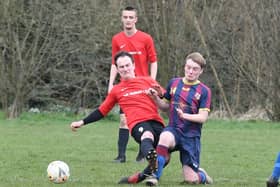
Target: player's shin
161,164
146,146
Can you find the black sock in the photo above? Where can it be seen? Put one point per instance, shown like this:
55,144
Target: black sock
146,146
139,155
122,142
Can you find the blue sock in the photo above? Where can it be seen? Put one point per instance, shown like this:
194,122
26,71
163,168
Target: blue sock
202,177
161,162
276,169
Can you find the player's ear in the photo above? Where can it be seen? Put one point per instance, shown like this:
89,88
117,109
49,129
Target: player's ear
117,68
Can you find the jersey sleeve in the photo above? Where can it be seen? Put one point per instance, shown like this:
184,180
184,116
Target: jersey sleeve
108,103
205,102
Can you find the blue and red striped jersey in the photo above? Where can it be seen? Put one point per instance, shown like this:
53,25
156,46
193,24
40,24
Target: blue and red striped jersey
190,97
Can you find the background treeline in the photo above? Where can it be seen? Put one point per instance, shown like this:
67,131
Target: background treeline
59,51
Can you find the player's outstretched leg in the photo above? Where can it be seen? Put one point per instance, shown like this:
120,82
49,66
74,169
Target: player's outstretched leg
153,167
133,179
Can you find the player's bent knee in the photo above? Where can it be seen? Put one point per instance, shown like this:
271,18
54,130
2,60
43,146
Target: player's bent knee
147,134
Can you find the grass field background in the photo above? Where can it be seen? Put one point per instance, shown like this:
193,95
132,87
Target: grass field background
234,153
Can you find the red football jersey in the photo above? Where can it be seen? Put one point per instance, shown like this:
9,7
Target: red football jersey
140,45
135,103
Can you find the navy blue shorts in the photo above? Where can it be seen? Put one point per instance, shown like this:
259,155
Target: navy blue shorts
189,148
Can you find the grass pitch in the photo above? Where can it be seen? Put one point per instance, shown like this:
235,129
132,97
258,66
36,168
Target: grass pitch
233,153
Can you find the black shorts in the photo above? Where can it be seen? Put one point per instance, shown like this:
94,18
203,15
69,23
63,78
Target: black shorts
154,126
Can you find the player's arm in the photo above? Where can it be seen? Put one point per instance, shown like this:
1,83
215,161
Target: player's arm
97,114
153,70
152,56
113,75
162,104
155,92
113,70
92,117
201,117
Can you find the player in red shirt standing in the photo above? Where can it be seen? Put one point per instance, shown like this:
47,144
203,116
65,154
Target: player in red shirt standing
141,46
143,119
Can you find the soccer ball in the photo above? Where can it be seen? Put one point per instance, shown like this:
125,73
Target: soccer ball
58,171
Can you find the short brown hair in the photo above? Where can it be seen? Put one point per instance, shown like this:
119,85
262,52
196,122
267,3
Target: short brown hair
198,58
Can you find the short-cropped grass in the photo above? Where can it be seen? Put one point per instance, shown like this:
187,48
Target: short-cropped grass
234,153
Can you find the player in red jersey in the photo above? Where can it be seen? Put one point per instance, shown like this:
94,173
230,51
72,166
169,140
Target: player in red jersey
144,122
141,46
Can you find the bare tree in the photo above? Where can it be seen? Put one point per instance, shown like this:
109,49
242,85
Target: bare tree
53,51
60,51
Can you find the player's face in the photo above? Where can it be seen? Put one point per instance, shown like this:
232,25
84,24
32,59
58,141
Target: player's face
192,70
125,67
129,19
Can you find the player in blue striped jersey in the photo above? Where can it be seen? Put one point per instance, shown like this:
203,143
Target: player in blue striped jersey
187,100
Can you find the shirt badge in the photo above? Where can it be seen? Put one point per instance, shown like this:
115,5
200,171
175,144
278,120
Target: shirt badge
197,96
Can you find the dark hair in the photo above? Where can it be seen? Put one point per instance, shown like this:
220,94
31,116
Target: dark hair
123,54
130,8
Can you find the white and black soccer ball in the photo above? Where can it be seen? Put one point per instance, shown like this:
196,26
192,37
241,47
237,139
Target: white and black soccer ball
58,171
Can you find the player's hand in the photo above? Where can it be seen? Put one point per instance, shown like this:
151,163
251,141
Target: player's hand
180,113
158,90
76,124
152,93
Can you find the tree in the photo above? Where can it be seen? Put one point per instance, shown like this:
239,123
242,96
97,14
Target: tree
52,51
60,51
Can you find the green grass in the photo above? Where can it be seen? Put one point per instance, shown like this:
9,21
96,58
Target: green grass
234,153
